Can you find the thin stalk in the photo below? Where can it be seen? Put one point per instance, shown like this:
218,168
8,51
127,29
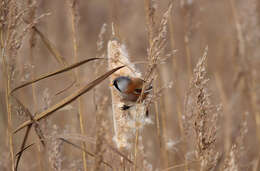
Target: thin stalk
164,133
151,27
8,107
177,86
187,40
227,111
75,51
114,17
136,148
35,104
157,121
248,76
5,43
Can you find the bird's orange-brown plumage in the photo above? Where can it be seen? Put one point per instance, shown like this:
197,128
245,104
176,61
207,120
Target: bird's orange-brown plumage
135,88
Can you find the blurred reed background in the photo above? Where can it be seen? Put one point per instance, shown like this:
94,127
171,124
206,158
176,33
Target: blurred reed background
209,119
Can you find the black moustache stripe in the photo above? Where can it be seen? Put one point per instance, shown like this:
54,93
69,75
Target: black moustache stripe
116,85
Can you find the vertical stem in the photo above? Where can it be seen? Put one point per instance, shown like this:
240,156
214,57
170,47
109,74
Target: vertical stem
177,86
157,121
227,110
114,17
249,81
10,126
5,43
161,130
31,55
164,134
187,40
240,37
79,102
136,148
188,55
8,107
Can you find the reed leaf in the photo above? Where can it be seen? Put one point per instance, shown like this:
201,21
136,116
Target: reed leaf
51,47
68,99
54,73
89,153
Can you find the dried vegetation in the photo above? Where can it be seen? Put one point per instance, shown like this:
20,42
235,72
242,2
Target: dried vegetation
202,59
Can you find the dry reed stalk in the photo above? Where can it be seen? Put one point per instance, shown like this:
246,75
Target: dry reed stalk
19,155
114,12
181,165
126,122
246,37
164,137
10,127
227,110
163,153
240,38
241,54
32,43
90,140
187,15
74,24
150,10
188,53
89,153
175,71
136,149
177,90
8,106
161,121
156,48
10,43
56,54
13,31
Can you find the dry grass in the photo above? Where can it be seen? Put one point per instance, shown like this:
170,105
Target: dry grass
58,114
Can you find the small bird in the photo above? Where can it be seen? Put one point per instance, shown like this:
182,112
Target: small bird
130,88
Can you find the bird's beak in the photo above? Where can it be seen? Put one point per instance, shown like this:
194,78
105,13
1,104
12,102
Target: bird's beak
111,85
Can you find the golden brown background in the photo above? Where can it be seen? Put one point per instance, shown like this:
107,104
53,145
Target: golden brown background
230,29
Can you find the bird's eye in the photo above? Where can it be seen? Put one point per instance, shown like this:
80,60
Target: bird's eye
138,90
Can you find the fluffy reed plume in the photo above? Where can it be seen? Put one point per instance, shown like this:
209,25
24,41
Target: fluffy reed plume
125,121
202,116
157,44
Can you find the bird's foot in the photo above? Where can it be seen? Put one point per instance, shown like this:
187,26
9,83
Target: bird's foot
125,107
